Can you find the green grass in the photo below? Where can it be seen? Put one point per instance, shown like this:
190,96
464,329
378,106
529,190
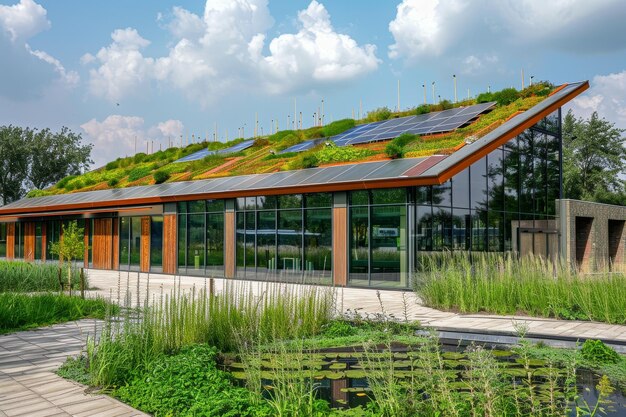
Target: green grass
29,277
26,311
532,286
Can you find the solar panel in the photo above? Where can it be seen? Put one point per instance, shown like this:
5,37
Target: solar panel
205,152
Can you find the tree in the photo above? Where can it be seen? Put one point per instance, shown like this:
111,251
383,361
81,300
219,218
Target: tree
14,161
593,158
57,155
31,158
70,247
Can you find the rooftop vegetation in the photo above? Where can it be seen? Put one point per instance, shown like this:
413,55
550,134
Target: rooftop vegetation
264,156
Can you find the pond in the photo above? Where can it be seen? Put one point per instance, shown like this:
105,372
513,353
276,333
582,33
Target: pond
341,375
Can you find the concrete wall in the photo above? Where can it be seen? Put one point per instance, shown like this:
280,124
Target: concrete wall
593,236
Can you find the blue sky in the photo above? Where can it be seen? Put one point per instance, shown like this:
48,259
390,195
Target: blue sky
115,70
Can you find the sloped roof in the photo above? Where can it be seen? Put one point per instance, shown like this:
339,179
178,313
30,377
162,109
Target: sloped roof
366,175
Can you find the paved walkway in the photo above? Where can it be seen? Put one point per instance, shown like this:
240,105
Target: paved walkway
29,386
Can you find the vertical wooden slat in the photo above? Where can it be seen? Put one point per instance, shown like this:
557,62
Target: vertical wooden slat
229,244
145,244
10,240
340,246
29,241
169,244
44,241
102,244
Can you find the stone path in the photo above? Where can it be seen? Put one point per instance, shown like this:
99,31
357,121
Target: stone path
29,386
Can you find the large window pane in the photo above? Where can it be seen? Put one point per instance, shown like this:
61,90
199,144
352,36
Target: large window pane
124,242
460,189
290,241
494,174
389,196
250,242
195,245
38,241
359,245
461,229
478,185
135,243
388,245
3,240
290,201
442,194
319,200
318,245
156,243
442,228
215,244
424,228
53,234
266,244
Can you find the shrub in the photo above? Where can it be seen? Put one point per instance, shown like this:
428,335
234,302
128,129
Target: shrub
288,140
113,182
379,114
337,127
29,277
484,98
308,160
595,351
36,193
395,148
139,158
446,105
112,165
160,177
506,96
64,181
339,328
423,109
260,142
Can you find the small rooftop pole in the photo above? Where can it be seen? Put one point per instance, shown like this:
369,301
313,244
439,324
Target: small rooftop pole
424,87
454,77
360,109
522,78
433,85
398,94
322,114
295,114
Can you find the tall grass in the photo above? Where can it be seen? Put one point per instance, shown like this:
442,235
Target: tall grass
29,277
236,317
530,285
24,311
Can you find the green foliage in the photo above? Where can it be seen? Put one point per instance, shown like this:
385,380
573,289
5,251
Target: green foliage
597,352
138,173
446,104
593,159
25,311
139,158
395,148
30,277
422,109
337,127
261,142
70,248
279,136
63,183
75,369
160,177
503,285
506,96
307,160
113,182
288,140
334,153
379,114
484,98
339,328
277,155
37,193
541,88
189,384
112,165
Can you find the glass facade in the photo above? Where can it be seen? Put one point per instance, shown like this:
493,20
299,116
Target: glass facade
201,238
130,243
287,238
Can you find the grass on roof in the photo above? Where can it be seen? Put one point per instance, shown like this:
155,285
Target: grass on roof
264,156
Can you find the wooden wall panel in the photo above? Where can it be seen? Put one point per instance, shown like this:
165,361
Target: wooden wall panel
29,241
102,244
170,257
44,241
145,244
10,240
229,244
340,246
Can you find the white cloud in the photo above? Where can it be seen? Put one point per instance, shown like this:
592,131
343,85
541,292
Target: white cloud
115,135
607,96
27,72
23,20
222,51
426,28
122,66
473,65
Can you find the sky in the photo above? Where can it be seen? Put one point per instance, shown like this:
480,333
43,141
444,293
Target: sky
135,74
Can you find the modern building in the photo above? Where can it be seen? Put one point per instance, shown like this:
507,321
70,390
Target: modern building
359,224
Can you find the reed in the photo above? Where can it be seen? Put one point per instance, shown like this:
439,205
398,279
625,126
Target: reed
20,276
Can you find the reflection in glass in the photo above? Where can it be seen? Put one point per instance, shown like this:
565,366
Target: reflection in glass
215,244
156,243
359,245
318,244
388,245
290,241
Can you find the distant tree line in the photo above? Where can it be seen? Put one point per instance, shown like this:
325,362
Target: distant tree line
35,159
